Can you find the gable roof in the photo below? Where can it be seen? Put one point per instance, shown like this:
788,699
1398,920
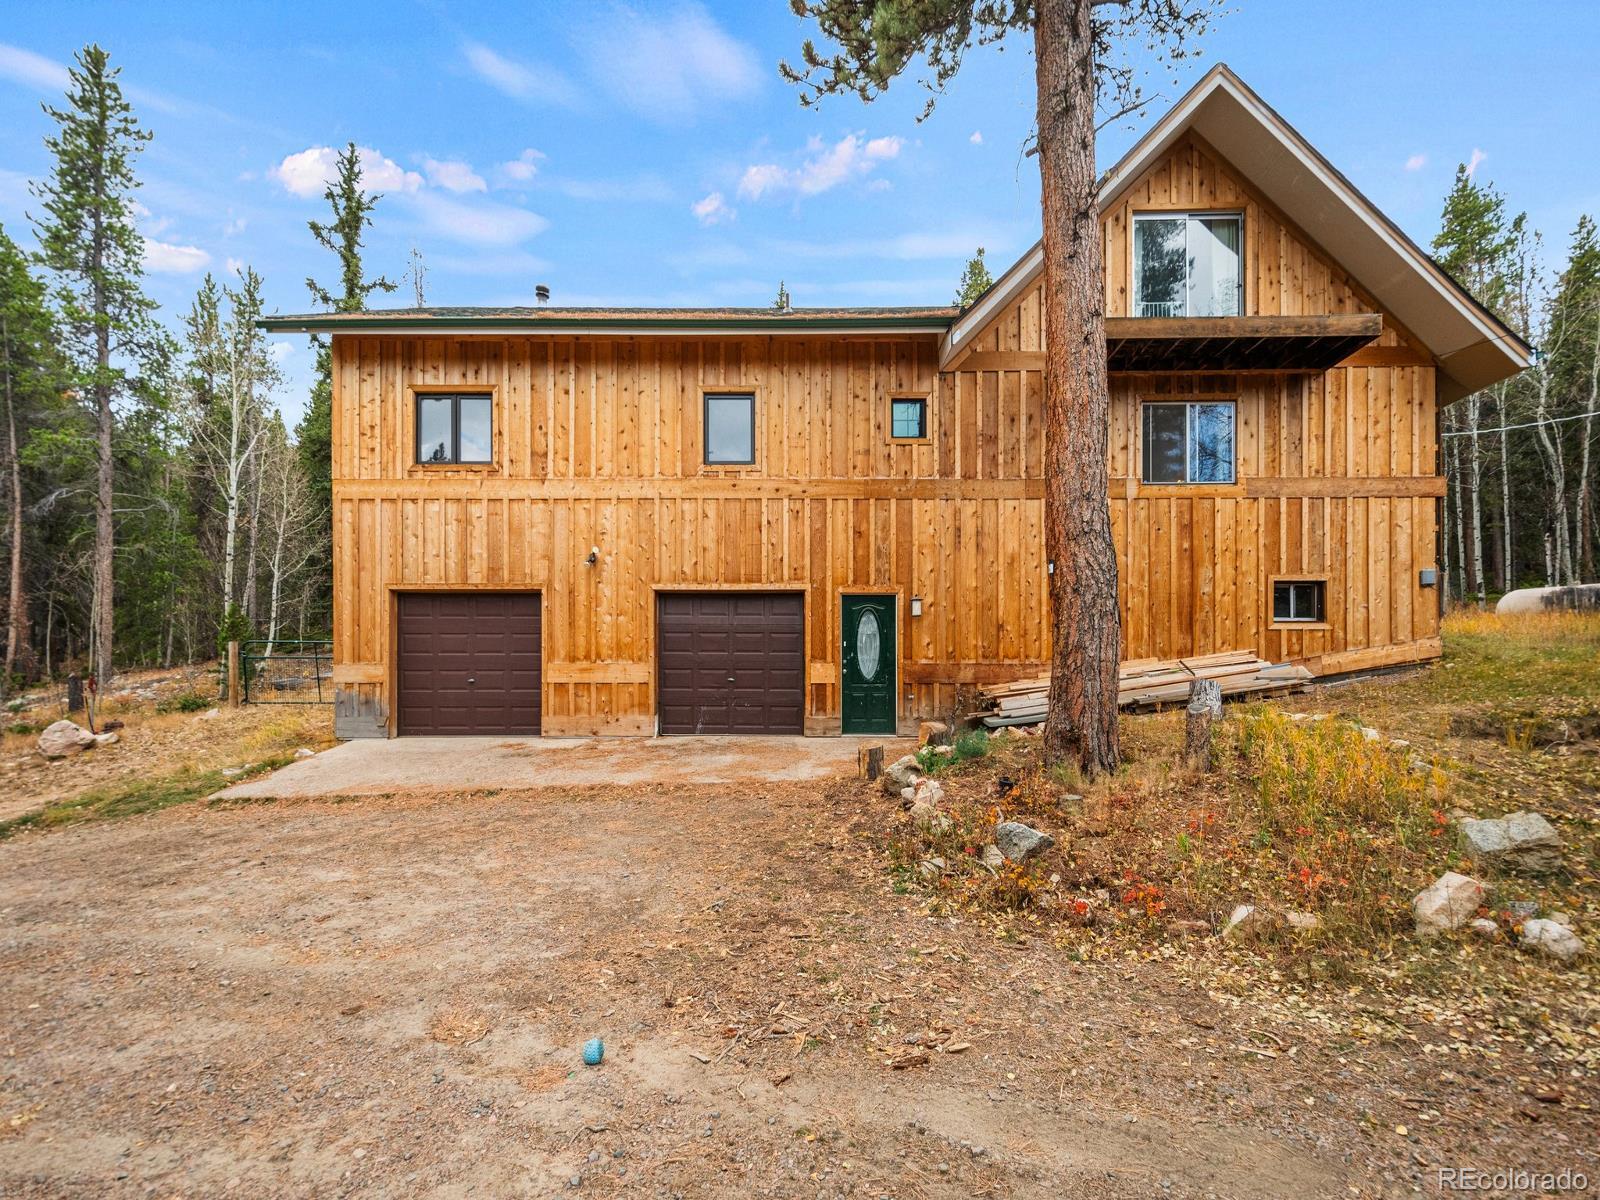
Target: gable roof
1474,348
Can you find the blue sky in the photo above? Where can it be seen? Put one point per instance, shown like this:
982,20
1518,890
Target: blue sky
649,153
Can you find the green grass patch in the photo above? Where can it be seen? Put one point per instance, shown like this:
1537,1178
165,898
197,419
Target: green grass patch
132,797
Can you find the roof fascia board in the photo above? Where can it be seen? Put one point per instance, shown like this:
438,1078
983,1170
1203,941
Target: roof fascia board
578,328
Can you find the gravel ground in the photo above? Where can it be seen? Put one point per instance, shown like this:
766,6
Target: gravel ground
388,998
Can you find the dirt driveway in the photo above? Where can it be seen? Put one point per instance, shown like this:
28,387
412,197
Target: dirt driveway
388,998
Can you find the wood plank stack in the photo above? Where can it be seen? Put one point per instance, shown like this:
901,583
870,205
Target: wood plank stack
1146,682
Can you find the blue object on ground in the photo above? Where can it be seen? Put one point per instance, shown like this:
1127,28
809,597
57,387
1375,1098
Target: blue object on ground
593,1051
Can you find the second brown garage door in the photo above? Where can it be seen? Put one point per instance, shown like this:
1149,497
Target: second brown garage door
731,662
469,663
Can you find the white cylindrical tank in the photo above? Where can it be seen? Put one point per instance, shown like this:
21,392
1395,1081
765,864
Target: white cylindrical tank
1582,597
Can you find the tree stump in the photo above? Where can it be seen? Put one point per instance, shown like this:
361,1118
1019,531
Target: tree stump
869,761
1205,706
74,693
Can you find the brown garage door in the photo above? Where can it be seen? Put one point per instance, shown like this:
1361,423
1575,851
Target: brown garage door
469,663
731,662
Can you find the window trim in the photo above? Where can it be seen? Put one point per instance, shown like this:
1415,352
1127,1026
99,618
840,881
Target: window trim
706,397
1189,403
1276,622
416,392
923,423
1187,214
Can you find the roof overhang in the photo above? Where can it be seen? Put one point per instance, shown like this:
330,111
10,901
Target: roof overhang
573,323
1473,348
1136,344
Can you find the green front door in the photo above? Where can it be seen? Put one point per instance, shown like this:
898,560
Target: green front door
868,663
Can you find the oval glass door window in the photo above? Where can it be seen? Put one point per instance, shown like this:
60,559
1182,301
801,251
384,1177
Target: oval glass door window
869,645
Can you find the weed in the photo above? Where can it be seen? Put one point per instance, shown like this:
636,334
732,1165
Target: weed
186,702
974,743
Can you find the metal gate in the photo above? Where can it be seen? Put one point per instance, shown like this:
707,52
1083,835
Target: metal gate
286,671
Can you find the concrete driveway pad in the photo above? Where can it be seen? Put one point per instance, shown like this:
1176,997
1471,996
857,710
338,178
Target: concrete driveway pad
373,767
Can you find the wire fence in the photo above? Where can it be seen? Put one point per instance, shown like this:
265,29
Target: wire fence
286,671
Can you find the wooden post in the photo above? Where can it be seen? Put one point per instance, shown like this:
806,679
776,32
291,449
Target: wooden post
74,693
235,684
1205,706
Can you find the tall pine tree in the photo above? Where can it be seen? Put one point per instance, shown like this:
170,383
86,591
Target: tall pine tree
352,208
88,240
975,280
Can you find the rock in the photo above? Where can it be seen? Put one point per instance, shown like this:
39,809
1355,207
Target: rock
927,791
902,773
1371,734
1020,842
105,739
1303,921
230,772
64,738
922,812
1560,918
930,868
1520,840
992,858
211,714
1449,902
1548,937
1484,928
1247,919
304,752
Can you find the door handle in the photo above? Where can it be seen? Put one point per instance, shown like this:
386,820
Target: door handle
470,679
731,679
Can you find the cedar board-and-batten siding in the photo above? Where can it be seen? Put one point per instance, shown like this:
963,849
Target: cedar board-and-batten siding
597,443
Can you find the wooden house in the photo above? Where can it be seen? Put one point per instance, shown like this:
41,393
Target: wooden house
580,521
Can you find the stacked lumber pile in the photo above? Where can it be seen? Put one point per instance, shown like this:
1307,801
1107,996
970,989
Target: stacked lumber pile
1145,682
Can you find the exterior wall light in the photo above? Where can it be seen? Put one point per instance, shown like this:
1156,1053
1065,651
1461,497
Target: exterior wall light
916,606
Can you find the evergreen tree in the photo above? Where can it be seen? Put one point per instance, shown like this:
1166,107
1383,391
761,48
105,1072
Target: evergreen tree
30,379
352,208
88,240
975,280
1080,71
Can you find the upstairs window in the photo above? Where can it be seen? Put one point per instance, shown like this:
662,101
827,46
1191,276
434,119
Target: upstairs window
730,429
1298,600
908,418
1189,442
456,428
1187,265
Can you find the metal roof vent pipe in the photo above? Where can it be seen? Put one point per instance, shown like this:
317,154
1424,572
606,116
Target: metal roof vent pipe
541,293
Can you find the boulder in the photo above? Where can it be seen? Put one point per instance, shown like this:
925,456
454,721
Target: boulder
1549,937
927,791
1520,841
1449,902
105,739
900,774
1019,842
1303,921
63,739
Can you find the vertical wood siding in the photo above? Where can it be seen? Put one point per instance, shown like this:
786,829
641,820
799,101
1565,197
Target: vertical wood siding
597,442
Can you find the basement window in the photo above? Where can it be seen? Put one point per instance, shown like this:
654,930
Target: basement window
1188,442
454,428
1186,265
908,418
1298,600
730,429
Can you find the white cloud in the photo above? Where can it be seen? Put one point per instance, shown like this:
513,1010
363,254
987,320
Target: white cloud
234,227
310,171
478,223
24,66
165,258
712,210
647,189
453,175
827,167
977,137
523,167
1416,162
233,265
1476,161
516,79
669,65
281,351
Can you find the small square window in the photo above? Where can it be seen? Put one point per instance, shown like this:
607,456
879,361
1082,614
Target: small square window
730,430
455,428
908,418
1295,600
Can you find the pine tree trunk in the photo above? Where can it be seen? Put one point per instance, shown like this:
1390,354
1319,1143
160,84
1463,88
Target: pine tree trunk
1508,566
1585,522
19,654
1475,472
104,510
1085,626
